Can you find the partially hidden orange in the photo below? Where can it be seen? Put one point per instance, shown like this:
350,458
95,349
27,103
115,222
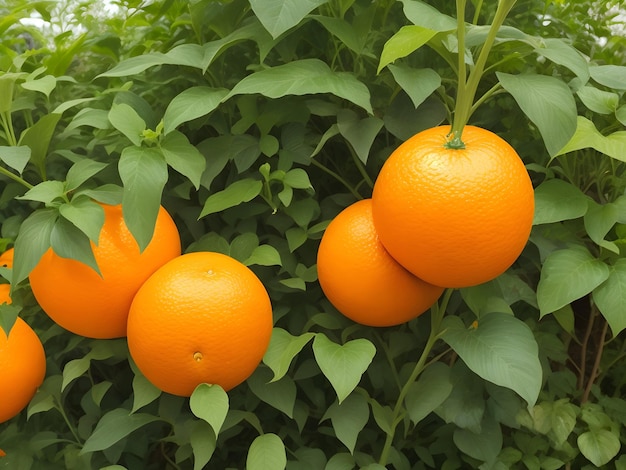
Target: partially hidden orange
5,290
80,300
6,258
361,279
454,217
23,366
203,317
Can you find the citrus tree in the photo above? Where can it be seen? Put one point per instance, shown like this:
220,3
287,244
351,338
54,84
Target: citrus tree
255,123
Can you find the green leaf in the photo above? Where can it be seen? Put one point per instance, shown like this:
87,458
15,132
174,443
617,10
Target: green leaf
548,103
68,241
32,241
138,64
266,451
407,40
598,101
183,157
113,427
383,415
61,108
143,172
360,133
428,16
77,367
567,275
501,349
304,77
297,178
144,392
264,255
86,215
82,171
599,220
431,389
483,445
236,193
281,394
342,461
44,85
562,53
599,446
611,76
210,403
587,136
610,297
15,157
8,317
343,365
561,419
46,192
349,418
191,104
347,34
418,84
282,349
38,137
277,16
126,120
557,200
203,443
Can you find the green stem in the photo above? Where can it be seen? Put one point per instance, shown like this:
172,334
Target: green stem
437,313
14,177
7,124
488,94
361,167
69,424
469,85
337,177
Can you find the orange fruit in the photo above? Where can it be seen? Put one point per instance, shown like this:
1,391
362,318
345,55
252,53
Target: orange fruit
6,259
361,279
85,303
23,366
201,318
5,298
454,217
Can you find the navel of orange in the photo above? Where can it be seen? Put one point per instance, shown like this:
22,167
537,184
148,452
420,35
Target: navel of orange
202,317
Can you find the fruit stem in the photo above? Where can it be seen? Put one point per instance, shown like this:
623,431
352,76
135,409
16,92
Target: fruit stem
437,313
468,84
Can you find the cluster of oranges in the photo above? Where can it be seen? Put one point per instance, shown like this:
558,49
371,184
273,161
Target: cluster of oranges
188,319
439,217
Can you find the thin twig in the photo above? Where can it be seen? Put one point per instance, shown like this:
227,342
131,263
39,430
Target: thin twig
596,364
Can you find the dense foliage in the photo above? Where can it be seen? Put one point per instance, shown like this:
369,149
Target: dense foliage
255,122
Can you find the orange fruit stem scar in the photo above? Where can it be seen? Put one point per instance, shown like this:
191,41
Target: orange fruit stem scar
454,217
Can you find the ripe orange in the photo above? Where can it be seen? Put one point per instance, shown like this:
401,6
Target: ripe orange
454,217
361,279
23,366
85,303
201,318
6,258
